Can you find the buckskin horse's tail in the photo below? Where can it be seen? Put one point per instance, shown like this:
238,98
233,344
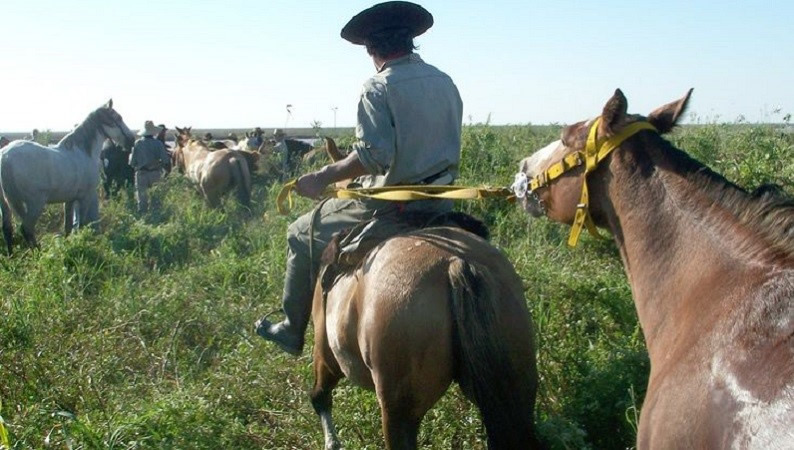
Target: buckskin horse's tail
485,363
242,179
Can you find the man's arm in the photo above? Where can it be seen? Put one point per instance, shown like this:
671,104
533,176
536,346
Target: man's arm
165,157
313,184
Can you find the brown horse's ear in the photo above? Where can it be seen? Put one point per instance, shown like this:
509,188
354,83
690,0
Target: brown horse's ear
614,113
666,117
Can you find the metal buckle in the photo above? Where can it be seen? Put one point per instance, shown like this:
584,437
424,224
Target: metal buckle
542,179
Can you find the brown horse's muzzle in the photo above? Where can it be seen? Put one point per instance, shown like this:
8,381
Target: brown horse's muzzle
528,199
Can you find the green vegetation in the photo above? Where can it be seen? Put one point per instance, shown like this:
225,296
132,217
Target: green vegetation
141,336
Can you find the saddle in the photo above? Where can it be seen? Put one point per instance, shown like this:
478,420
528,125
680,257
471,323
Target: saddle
348,249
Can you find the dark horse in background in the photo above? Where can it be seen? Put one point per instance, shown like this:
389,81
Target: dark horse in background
116,168
711,269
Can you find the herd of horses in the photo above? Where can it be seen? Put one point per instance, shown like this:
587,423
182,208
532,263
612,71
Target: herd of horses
214,165
710,265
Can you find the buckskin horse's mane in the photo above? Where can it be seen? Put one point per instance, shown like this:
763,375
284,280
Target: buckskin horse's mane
768,210
83,135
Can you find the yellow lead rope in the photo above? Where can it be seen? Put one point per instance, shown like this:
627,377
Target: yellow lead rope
399,193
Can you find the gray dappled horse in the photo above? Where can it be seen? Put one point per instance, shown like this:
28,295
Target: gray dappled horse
32,175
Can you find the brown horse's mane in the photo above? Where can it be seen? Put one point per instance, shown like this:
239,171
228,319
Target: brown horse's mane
768,210
83,135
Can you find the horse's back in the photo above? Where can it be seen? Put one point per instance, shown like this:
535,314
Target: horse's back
56,173
218,168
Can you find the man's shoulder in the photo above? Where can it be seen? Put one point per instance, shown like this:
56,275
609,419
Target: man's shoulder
413,68
374,85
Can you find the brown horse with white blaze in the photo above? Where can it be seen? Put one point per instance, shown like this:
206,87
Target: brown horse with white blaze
424,309
216,172
711,268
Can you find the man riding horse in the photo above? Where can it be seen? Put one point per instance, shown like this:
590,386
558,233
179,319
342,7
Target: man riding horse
408,131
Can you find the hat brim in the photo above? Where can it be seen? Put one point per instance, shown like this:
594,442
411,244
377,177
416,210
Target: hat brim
384,16
150,132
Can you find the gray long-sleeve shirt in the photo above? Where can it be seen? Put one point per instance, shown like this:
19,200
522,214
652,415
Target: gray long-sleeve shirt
149,154
409,123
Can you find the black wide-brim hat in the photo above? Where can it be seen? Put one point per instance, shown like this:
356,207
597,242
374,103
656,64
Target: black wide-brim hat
385,16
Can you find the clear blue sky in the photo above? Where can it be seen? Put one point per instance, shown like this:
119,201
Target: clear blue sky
238,63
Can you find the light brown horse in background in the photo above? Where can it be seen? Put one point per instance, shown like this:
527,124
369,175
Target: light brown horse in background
711,268
424,309
330,149
216,172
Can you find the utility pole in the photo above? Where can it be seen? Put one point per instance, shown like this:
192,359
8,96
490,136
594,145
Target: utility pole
289,114
334,108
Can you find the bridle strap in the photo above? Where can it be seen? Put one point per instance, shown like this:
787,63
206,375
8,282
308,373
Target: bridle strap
592,155
582,218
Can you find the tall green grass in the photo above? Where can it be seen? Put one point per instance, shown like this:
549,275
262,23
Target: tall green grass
141,336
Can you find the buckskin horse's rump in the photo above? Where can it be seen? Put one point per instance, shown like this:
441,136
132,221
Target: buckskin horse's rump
429,307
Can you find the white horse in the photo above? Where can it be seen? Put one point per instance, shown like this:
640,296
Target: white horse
32,175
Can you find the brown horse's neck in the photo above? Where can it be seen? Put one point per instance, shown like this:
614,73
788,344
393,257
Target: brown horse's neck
680,241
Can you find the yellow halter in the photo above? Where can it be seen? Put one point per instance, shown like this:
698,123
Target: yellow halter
592,155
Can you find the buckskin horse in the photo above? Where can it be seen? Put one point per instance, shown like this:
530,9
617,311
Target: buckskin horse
423,309
32,175
711,269
215,172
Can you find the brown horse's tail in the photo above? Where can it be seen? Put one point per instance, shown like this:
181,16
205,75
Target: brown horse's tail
484,352
242,178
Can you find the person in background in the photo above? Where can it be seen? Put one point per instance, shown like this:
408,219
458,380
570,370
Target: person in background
280,148
161,135
149,159
409,132
4,141
33,136
258,138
